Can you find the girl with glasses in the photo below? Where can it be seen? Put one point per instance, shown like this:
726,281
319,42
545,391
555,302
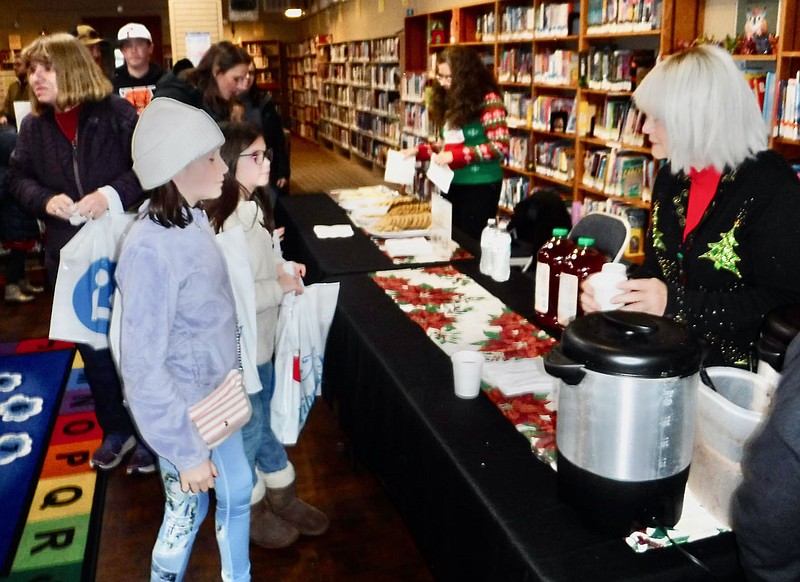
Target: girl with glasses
260,109
277,516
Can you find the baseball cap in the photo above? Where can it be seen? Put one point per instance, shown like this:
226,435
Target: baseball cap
87,35
134,30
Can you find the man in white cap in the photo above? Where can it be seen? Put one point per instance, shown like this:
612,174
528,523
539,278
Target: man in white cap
137,78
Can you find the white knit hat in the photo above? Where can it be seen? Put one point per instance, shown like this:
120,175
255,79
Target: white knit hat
169,136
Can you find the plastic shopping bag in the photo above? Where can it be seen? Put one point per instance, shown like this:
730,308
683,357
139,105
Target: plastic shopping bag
303,326
85,282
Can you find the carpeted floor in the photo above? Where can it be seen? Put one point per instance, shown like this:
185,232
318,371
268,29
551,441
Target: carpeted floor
52,500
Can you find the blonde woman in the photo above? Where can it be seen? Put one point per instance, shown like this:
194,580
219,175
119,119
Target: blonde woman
724,243
72,160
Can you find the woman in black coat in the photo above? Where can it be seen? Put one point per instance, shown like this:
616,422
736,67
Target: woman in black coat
72,162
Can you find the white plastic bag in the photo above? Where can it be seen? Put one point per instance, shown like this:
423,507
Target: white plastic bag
303,326
85,281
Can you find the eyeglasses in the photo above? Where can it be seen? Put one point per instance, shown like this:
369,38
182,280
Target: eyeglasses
441,78
258,156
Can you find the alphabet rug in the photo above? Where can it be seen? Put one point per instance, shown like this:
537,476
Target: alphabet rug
52,501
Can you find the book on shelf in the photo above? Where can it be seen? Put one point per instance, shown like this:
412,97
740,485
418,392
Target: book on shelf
586,116
515,66
513,190
617,172
556,67
555,114
517,23
557,19
519,109
621,16
789,114
519,152
609,68
413,85
555,159
486,27
609,122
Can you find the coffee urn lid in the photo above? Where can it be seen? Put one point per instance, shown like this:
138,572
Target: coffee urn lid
634,344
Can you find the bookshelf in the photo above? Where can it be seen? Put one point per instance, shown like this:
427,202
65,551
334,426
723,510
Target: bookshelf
540,51
269,60
786,116
359,101
303,62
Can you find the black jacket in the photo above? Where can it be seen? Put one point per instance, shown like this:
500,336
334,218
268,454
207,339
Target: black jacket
44,164
178,89
124,80
740,262
765,510
15,223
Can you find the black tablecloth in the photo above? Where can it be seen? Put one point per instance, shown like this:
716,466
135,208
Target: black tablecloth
476,500
330,259
325,259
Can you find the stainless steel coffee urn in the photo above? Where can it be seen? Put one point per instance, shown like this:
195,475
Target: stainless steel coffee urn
626,413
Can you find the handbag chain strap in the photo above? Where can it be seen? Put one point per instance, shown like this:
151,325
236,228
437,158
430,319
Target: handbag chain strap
239,345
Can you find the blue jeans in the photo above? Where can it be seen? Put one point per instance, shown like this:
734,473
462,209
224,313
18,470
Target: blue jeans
262,447
184,512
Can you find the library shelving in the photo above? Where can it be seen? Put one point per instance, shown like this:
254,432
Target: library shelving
270,62
784,115
359,102
303,60
541,52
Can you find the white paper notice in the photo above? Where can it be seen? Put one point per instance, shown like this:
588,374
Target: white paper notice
399,169
440,175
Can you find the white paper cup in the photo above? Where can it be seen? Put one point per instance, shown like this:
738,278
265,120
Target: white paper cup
467,368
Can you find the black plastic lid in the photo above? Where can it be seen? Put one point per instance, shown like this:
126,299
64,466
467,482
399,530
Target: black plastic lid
632,344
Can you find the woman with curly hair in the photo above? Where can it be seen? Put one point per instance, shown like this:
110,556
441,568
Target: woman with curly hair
467,107
214,84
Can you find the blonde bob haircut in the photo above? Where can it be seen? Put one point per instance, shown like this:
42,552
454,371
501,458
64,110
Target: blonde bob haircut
79,78
708,111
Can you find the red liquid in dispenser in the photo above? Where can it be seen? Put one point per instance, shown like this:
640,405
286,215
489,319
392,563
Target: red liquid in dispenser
549,261
583,261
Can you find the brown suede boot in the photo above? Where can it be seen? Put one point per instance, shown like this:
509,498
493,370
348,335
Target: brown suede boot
308,520
268,530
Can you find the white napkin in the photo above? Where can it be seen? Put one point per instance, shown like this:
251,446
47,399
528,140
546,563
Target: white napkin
333,231
408,247
515,377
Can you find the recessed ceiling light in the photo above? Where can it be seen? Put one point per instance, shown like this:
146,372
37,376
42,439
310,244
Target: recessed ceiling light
293,12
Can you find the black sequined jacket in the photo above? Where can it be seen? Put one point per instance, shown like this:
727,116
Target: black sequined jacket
741,261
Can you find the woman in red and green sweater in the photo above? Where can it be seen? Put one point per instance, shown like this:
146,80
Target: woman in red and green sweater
467,105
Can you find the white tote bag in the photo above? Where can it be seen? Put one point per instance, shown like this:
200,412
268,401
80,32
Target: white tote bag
303,326
85,281
233,244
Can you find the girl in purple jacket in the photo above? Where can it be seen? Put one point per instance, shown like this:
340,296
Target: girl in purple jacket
178,333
